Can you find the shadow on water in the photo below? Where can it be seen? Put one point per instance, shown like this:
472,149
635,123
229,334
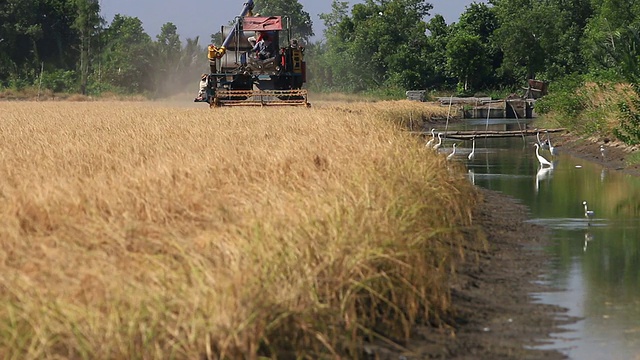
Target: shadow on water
596,259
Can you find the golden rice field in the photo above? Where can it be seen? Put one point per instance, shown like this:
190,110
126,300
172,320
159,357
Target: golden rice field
139,231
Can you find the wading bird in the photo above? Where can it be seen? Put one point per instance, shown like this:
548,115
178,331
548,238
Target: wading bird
588,214
552,149
436,146
433,137
542,160
450,156
472,154
602,152
540,143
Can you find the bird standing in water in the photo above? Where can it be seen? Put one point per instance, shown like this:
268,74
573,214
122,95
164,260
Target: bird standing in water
472,154
450,156
542,144
602,152
542,160
588,214
552,149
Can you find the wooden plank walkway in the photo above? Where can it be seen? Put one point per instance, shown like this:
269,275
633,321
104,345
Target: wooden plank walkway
446,100
468,135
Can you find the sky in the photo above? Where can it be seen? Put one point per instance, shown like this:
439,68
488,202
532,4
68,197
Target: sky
204,17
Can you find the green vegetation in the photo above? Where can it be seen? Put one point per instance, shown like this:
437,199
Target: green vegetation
65,46
602,109
633,159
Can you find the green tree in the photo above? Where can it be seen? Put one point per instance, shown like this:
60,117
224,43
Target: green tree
88,25
168,46
301,24
168,52
611,19
327,67
479,19
127,55
35,33
17,27
565,56
192,59
526,27
380,44
481,60
435,53
467,59
542,38
217,38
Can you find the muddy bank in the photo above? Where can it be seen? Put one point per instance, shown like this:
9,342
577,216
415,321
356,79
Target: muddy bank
615,156
495,316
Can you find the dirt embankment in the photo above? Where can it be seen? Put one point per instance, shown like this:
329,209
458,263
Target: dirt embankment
615,152
495,315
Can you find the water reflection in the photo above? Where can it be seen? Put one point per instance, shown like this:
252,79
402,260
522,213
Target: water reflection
543,173
597,267
587,237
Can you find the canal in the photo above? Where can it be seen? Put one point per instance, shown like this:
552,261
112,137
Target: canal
594,265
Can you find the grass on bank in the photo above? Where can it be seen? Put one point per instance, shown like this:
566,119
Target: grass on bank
134,231
605,110
35,94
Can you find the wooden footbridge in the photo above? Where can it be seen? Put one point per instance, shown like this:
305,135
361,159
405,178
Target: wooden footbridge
468,135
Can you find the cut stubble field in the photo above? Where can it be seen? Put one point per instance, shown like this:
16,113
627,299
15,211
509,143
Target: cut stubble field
132,230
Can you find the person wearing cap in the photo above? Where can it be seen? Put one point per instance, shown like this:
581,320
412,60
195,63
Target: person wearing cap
252,39
202,94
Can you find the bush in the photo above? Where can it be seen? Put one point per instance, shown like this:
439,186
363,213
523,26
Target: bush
386,93
59,81
99,88
16,83
629,128
564,98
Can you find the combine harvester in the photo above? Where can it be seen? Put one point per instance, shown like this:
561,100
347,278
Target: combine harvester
250,68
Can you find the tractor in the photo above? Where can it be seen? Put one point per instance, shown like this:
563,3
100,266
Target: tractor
254,66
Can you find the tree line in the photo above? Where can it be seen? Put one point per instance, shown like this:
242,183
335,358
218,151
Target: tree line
66,45
499,45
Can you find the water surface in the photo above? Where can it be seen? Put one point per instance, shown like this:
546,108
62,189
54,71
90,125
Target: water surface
595,264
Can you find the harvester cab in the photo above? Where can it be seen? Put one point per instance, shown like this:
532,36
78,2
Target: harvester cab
258,64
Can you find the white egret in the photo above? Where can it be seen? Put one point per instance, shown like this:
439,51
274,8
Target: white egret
436,146
602,152
552,149
541,159
542,145
453,152
472,154
433,137
588,214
